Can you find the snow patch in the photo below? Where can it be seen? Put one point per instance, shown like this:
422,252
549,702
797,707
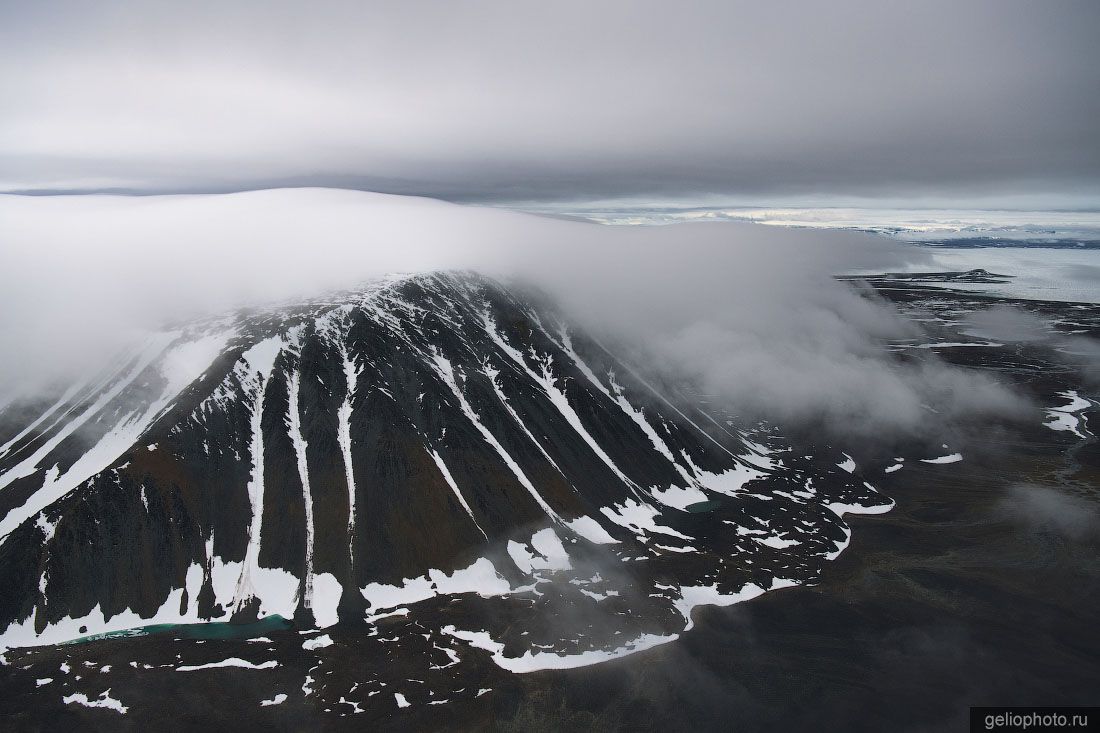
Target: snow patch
103,701
639,518
953,458
231,662
731,481
679,497
840,509
551,553
319,642
481,577
326,597
777,542
1068,418
538,661
591,530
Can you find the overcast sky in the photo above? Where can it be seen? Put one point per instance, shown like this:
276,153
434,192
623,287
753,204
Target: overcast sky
492,101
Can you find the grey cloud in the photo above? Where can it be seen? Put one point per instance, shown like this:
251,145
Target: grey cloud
1006,323
1016,324
1083,354
503,101
1054,510
751,314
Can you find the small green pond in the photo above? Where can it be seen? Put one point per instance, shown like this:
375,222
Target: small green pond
702,507
210,630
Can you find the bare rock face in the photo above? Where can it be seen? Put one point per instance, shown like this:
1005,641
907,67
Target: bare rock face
428,436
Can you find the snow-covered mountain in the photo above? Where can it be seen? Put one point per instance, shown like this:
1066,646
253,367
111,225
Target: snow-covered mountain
338,460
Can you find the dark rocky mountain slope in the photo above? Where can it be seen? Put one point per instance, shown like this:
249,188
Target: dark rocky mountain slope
431,455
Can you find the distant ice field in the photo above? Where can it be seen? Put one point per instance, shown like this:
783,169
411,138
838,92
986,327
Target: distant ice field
1051,255
947,227
1070,275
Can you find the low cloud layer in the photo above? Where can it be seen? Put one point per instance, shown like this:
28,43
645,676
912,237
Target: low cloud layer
539,101
1016,324
1005,323
750,314
1053,510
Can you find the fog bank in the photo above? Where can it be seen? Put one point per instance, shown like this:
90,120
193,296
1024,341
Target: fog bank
750,314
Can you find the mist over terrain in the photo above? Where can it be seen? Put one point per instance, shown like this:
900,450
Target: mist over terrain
750,315
1049,509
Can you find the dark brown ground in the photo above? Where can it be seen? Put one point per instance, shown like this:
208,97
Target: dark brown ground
950,601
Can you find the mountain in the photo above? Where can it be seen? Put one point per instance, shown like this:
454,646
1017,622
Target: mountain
331,463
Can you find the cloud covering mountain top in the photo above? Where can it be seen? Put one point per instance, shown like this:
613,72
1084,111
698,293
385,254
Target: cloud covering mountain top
751,314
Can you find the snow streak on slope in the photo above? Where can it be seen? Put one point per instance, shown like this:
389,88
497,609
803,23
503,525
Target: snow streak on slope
351,377
457,491
273,586
446,373
177,369
545,380
493,375
294,425
49,412
153,349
